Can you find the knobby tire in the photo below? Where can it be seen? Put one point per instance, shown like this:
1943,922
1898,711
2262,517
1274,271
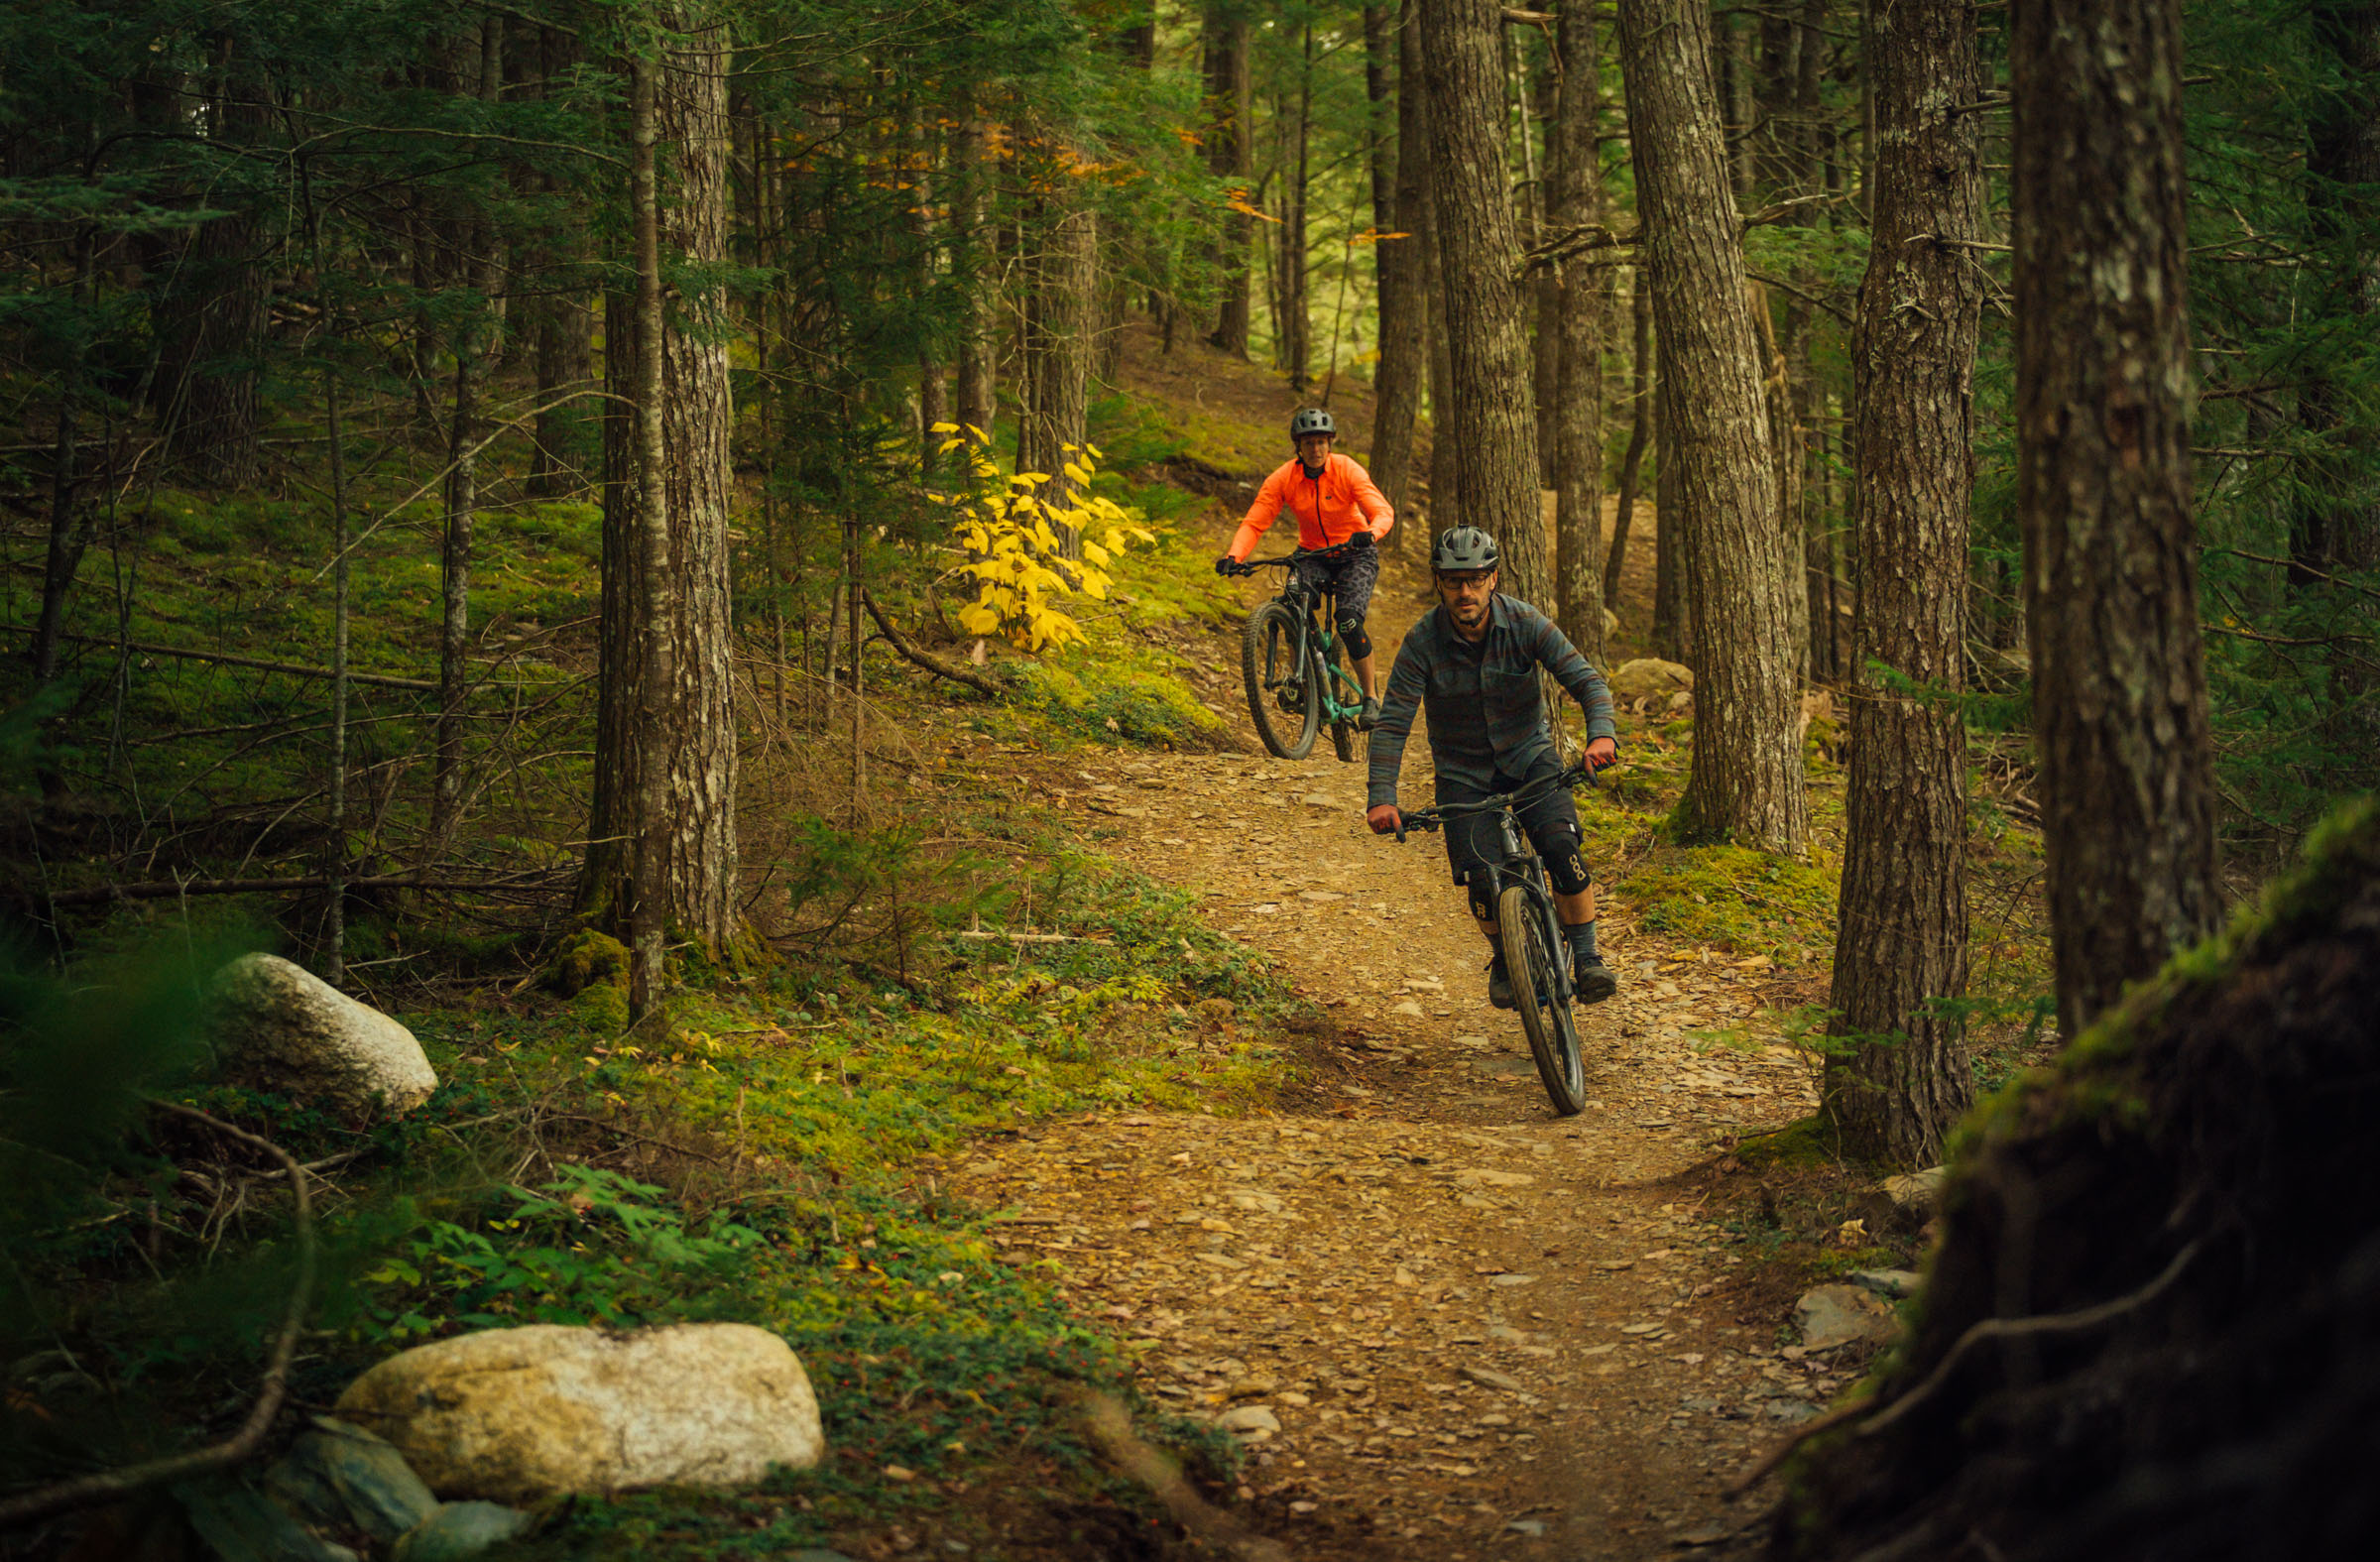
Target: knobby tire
1544,1017
1267,641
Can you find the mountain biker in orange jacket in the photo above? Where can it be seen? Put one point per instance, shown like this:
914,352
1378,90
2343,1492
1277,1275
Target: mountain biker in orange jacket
1335,501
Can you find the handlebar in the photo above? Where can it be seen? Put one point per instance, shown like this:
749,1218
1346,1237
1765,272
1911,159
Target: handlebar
1434,818
1249,567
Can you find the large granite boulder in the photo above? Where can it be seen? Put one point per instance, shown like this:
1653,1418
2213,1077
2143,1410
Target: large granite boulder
516,1414
1649,677
284,1029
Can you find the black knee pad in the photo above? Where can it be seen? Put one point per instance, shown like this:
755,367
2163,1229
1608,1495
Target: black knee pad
1351,635
1481,882
1563,864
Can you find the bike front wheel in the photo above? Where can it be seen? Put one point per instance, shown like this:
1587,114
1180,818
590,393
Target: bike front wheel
1346,739
1284,699
1539,994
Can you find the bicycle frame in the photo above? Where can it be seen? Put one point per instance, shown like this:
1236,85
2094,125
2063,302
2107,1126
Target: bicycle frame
1314,634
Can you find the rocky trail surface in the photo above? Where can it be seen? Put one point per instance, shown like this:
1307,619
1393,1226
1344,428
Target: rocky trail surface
1445,1322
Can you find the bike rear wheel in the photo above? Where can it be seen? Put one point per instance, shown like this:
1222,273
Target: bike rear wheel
1545,1017
1269,666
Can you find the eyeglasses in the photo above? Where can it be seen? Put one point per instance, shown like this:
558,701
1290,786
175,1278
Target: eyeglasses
1466,579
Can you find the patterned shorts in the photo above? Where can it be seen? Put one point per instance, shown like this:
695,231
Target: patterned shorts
1351,575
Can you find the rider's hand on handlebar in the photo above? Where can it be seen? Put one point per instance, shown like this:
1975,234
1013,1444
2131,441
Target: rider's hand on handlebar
1383,818
1361,541
1226,565
1602,751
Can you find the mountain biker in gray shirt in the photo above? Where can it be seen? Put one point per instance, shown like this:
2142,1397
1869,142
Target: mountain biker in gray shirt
1471,664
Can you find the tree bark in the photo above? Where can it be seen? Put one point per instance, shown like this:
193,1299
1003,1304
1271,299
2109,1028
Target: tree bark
1402,270
1229,81
1491,424
1902,935
2103,496
1574,197
1672,639
1741,561
663,828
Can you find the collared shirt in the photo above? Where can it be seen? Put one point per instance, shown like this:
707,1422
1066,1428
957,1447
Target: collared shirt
1485,713
1330,509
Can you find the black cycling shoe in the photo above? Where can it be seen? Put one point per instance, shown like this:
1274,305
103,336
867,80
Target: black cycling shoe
1499,983
1591,979
1370,717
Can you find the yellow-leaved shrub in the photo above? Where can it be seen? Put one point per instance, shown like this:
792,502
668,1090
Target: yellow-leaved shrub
1008,540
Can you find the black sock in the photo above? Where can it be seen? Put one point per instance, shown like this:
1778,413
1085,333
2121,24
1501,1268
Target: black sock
1582,939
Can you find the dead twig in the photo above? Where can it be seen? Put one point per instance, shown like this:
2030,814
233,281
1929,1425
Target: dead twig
917,654
67,1496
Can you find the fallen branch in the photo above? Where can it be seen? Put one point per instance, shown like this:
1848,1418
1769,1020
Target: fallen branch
67,1496
1032,938
1111,1428
292,668
917,654
174,889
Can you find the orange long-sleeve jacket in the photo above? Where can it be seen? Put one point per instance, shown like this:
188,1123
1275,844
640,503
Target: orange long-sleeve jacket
1330,509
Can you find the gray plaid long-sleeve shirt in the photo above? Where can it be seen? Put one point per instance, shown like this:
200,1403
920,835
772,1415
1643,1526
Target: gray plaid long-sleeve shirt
1484,712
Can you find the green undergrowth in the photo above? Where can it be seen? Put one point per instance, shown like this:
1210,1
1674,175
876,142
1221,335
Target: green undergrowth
757,1159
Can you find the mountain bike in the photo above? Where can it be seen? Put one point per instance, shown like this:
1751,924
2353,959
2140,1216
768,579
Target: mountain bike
1536,954
1291,663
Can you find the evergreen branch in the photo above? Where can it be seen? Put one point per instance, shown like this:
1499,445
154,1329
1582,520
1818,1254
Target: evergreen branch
67,1496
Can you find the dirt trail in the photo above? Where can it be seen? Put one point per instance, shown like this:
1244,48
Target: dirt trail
1449,1323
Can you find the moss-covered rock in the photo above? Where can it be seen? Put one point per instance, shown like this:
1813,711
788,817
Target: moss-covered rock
585,959
2186,1210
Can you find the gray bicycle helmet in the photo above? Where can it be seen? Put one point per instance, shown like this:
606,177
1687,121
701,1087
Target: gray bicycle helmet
1312,420
1463,548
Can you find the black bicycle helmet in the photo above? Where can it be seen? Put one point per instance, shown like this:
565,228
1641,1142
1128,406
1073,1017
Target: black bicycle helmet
1463,548
1312,420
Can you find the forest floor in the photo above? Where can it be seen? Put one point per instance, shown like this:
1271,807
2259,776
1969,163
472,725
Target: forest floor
1451,1323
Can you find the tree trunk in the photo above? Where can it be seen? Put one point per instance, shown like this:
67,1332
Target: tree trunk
1402,270
970,246
662,829
1292,328
1903,930
1491,424
2103,496
933,404
1574,197
1671,637
1441,367
1740,563
1058,349
1640,428
1545,284
476,346
1225,34
562,325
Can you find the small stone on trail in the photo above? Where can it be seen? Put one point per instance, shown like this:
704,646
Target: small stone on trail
1409,1009
1254,1419
1514,1279
1838,1315
1490,1377
1532,1527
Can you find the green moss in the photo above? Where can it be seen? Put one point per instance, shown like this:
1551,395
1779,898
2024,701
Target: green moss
1737,898
1812,1141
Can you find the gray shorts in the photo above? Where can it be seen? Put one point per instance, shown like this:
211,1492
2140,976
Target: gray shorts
1351,575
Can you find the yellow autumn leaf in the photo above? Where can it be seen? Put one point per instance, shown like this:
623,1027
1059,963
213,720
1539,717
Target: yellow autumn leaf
1094,553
